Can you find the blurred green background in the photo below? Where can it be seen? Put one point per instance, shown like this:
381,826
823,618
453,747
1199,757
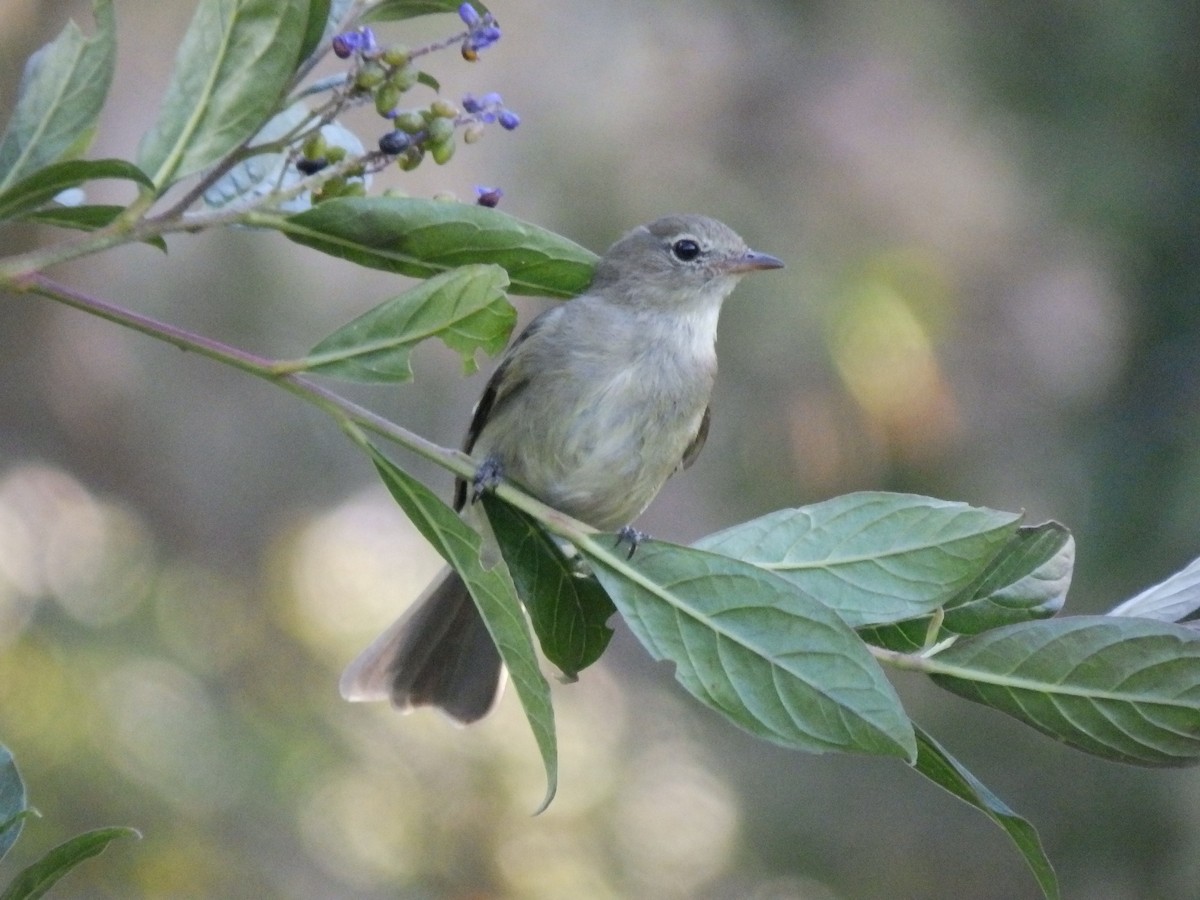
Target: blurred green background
991,219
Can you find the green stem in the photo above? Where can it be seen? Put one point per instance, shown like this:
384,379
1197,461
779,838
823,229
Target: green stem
262,367
909,662
354,419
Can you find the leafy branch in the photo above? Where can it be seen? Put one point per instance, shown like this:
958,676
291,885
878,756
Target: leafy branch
783,625
37,878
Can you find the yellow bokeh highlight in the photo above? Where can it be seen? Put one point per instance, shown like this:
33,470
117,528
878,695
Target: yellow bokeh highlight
884,353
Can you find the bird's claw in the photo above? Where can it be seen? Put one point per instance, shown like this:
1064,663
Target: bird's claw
489,474
635,537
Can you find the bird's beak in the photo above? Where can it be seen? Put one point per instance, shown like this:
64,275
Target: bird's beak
752,261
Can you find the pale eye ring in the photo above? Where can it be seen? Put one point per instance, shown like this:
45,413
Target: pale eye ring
685,249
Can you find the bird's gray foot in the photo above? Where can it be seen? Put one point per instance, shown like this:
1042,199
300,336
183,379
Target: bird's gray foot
489,474
635,537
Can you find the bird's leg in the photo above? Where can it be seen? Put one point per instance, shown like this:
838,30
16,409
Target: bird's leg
489,474
631,534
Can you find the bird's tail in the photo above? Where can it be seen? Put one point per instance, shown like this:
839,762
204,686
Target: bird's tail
439,653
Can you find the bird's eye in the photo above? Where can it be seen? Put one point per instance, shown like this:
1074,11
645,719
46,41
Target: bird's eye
685,249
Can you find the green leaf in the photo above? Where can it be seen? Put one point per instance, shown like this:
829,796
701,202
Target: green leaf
233,65
34,881
464,307
62,92
1173,600
268,172
85,218
396,10
872,557
422,238
947,772
315,26
1028,579
494,594
45,184
1123,689
748,644
569,609
13,802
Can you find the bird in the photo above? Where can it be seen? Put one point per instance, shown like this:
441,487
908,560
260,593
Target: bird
591,409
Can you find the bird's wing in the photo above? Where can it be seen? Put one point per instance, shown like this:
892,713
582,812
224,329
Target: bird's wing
500,387
697,444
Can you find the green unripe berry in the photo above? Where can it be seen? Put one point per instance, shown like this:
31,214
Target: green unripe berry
334,187
335,154
315,147
386,97
440,131
443,109
396,55
411,158
369,76
442,152
472,133
403,78
410,122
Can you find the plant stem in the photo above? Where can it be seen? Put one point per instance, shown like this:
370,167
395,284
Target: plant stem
910,662
262,367
349,415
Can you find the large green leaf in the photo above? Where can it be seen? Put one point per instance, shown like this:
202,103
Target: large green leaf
464,307
60,98
1173,600
748,644
873,557
422,238
233,65
315,25
258,175
396,10
33,881
1027,579
1124,689
13,802
569,610
43,185
947,772
494,594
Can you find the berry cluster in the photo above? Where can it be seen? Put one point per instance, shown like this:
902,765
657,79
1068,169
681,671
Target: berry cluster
383,75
